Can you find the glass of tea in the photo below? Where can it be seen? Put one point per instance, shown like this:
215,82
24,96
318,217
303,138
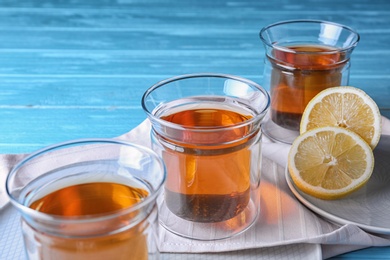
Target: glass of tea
303,57
206,127
88,199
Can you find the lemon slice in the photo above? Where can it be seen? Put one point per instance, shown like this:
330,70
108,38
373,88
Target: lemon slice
346,107
330,162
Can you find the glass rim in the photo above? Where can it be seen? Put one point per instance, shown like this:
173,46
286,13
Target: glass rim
310,21
87,218
161,83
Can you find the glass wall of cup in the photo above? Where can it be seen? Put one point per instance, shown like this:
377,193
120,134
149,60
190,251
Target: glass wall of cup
302,58
207,129
88,199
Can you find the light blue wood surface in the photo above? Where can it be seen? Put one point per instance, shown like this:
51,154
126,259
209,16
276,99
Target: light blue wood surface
78,69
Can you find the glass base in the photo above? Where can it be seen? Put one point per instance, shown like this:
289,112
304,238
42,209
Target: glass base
277,133
207,231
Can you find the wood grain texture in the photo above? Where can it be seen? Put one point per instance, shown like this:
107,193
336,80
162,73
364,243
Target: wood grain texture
78,68
104,54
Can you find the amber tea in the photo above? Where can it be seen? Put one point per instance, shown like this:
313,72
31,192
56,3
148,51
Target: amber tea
93,199
299,72
209,180
89,199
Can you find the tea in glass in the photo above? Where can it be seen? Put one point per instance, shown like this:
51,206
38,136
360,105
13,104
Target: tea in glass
299,72
90,199
303,57
207,129
209,184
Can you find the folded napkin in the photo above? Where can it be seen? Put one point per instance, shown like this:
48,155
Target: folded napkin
284,226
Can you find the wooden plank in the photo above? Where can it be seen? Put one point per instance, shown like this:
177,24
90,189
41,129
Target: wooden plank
110,91
104,93
330,5
25,130
142,62
205,40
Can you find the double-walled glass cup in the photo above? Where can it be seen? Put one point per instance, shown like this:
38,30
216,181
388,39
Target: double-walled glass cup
303,57
88,199
207,129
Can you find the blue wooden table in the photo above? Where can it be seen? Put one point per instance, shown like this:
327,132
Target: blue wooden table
78,68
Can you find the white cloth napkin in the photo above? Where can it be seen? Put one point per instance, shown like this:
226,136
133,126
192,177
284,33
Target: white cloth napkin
283,220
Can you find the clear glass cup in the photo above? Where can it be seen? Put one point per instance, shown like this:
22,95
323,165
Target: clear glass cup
88,199
207,129
303,57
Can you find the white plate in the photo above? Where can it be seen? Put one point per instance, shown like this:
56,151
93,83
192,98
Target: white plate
368,207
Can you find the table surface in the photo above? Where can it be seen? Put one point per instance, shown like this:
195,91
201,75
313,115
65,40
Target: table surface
77,68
